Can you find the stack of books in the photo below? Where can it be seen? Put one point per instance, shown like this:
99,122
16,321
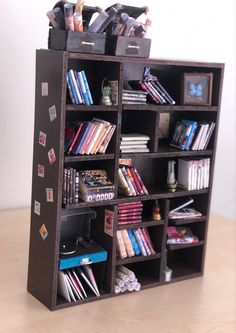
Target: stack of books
75,283
94,185
130,213
130,182
190,134
180,235
134,97
78,87
193,174
126,280
154,90
70,194
134,242
179,209
88,137
134,143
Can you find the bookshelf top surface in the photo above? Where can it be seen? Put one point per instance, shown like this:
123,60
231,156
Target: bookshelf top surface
119,59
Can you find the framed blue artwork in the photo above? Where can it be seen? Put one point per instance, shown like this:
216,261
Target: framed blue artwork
197,88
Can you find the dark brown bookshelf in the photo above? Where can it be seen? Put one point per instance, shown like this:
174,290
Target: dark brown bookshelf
71,159
185,261
137,259
143,224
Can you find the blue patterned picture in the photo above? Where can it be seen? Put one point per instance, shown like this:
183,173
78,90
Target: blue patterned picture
197,88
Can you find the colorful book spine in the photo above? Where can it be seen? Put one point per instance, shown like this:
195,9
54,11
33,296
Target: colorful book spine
134,243
87,87
139,241
121,245
145,245
83,89
140,181
128,244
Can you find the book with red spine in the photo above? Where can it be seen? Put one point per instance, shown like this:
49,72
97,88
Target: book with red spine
88,139
141,182
139,187
132,180
75,137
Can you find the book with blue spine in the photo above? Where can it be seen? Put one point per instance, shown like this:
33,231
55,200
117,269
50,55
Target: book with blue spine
82,85
72,76
71,87
87,87
79,87
192,128
134,243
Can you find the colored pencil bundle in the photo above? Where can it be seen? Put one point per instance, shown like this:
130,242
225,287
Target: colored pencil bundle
130,182
130,213
134,242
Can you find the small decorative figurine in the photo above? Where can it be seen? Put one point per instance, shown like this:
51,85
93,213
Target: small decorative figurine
156,215
106,94
171,181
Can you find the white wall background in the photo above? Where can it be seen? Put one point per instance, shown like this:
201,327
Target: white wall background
184,30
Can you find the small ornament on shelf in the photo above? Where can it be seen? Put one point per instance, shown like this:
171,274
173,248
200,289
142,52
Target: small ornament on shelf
171,180
156,214
106,94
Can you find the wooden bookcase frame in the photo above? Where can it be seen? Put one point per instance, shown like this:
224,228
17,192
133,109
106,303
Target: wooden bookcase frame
51,68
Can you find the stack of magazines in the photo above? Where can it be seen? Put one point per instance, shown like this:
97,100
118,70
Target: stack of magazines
94,185
180,235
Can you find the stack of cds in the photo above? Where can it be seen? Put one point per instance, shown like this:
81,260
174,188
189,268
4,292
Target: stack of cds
134,143
134,97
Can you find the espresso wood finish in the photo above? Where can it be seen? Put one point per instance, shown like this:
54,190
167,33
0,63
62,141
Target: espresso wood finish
186,261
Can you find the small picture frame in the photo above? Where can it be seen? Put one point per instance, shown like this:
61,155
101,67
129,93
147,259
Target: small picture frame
197,88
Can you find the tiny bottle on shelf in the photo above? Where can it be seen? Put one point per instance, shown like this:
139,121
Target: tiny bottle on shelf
171,180
156,215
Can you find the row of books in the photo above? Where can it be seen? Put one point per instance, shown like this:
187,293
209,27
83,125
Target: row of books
78,87
130,182
75,284
70,194
94,185
134,143
193,174
88,137
192,135
126,280
180,235
154,90
130,213
134,97
134,242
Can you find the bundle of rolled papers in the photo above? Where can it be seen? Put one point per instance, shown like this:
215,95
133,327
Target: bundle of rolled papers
126,280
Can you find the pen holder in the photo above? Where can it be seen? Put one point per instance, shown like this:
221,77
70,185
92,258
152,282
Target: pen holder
73,41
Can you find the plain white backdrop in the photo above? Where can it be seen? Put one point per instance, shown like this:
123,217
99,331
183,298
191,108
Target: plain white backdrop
203,30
